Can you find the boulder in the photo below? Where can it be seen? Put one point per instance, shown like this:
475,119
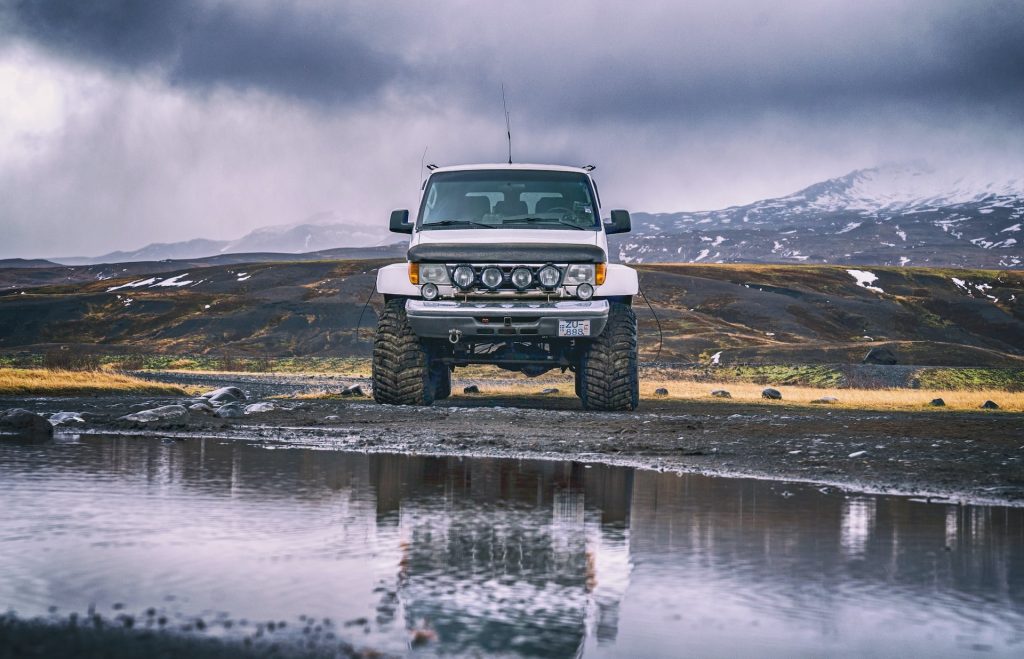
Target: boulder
880,355
225,395
825,400
471,389
230,411
61,418
937,402
353,390
989,405
19,422
661,391
549,391
165,413
721,393
771,394
260,408
202,408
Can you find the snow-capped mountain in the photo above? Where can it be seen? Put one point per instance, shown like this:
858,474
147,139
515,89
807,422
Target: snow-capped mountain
894,215
318,233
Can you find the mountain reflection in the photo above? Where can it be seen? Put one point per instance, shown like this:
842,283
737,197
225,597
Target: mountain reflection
502,556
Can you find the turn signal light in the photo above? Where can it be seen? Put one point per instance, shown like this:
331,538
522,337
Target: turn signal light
414,273
600,271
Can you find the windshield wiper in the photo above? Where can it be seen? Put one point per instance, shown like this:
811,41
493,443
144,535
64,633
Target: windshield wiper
531,220
452,223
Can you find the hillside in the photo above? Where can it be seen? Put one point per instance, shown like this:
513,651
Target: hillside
747,313
884,216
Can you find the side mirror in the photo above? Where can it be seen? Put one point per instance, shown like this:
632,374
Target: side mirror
400,222
620,223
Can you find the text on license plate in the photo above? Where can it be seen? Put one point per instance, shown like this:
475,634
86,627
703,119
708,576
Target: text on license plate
574,328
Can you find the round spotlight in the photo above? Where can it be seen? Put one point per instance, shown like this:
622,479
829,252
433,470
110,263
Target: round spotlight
549,276
522,278
491,277
583,291
429,292
463,276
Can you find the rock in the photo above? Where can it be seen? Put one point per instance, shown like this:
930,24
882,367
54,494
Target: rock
989,405
230,411
937,402
661,391
259,408
202,408
825,400
225,395
549,391
880,355
19,422
353,390
61,418
332,418
721,393
471,389
171,413
771,394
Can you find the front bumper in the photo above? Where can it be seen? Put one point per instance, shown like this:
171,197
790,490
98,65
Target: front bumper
487,319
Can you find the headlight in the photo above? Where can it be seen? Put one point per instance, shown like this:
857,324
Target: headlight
549,276
579,273
429,291
491,277
583,291
522,278
463,276
433,273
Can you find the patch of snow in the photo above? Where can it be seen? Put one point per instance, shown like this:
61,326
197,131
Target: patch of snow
176,280
703,255
865,279
1011,229
718,241
901,233
206,306
242,276
903,261
134,284
849,227
716,357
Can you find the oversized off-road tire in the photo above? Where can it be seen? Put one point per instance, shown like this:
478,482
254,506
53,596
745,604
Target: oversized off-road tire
442,380
609,378
401,361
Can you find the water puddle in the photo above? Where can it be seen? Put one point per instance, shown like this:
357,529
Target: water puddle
495,556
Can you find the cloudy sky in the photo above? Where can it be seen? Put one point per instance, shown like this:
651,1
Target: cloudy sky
126,122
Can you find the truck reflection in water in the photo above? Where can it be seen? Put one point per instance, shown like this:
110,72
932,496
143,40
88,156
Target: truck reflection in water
502,556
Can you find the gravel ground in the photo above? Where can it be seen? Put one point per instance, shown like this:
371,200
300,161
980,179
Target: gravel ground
975,456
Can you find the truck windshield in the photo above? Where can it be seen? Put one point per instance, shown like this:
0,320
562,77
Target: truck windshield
509,199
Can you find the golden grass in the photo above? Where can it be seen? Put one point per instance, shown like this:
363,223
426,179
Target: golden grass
43,382
748,394
865,399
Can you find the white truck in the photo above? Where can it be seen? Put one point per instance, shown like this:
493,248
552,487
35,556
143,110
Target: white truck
507,265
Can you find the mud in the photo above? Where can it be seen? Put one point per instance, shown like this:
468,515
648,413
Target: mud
970,457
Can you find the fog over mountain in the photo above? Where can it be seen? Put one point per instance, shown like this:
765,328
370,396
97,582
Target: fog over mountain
124,122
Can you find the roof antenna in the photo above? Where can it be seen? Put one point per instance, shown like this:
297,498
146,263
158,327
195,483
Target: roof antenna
508,127
423,159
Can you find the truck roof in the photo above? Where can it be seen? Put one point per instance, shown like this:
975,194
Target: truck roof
516,166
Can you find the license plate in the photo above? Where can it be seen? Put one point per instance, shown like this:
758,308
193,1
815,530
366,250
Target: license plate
574,328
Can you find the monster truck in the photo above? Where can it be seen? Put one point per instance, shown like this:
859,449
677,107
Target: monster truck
507,265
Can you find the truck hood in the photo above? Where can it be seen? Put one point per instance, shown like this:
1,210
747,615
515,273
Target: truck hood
508,246
501,236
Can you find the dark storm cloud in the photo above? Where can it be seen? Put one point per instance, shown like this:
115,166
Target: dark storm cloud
278,48
596,60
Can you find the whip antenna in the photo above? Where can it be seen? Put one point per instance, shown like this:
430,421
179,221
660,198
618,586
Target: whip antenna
508,126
